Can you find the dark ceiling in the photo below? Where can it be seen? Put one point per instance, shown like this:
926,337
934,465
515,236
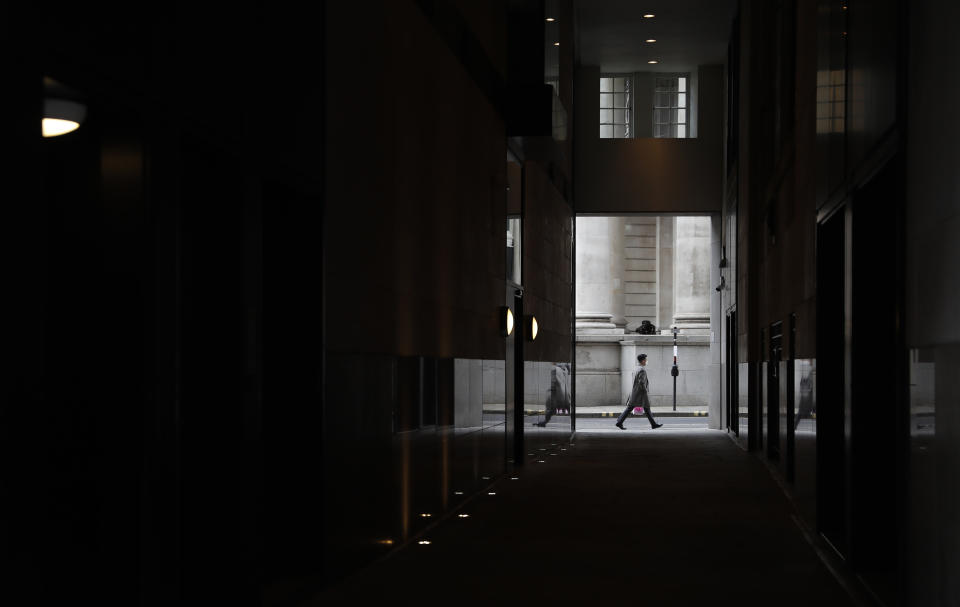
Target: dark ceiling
687,32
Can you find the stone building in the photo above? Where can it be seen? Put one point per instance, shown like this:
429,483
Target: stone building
646,268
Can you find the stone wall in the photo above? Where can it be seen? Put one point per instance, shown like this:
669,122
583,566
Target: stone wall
605,365
640,270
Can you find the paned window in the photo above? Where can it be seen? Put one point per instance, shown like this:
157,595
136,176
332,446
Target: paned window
671,106
616,107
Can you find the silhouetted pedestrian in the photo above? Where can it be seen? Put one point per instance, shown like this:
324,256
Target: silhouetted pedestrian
639,396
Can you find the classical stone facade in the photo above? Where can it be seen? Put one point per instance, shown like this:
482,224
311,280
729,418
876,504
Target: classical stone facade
645,268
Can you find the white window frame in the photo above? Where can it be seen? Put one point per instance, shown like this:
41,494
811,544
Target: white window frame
627,107
678,106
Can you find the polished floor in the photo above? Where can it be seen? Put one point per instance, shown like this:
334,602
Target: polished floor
676,516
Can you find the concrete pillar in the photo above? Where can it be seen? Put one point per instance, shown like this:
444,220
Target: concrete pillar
600,302
691,276
715,409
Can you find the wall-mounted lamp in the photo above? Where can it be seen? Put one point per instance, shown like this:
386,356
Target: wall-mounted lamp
61,116
506,321
63,110
530,327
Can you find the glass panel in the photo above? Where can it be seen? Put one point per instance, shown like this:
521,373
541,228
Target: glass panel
618,85
682,131
682,100
619,117
619,131
606,131
606,85
514,251
682,85
547,395
682,116
606,116
619,100
606,100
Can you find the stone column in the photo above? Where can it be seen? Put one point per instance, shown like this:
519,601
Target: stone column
691,276
716,318
600,274
665,230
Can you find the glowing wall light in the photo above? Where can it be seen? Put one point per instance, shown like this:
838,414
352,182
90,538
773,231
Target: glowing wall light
531,328
61,116
506,321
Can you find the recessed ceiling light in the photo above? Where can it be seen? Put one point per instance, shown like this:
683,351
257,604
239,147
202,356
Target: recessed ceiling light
651,40
652,61
551,19
649,16
556,44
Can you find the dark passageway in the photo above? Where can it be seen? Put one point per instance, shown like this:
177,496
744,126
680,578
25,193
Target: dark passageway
671,517
296,287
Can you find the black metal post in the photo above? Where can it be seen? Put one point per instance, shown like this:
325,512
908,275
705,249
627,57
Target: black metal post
675,371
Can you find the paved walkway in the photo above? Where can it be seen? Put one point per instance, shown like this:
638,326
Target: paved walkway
608,411
626,518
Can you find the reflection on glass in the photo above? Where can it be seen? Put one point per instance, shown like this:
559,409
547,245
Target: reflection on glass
922,394
557,394
805,419
743,403
831,99
514,249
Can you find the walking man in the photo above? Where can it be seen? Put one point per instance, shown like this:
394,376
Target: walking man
638,396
